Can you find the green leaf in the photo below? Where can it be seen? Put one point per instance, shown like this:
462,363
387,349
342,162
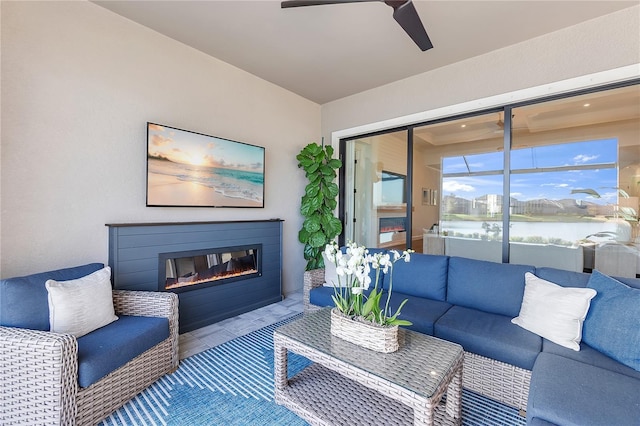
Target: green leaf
399,322
332,226
309,252
327,171
304,161
312,224
333,190
315,203
334,163
317,239
312,168
312,149
311,190
303,235
307,208
329,150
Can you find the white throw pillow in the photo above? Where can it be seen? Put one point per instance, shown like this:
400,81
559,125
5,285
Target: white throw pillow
330,274
554,312
82,305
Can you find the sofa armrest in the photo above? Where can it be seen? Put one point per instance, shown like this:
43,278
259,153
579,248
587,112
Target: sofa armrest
312,279
151,304
39,376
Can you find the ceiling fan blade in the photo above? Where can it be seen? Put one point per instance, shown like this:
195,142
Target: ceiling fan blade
302,3
406,15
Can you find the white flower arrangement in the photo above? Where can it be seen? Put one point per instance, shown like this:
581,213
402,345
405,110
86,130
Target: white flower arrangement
353,269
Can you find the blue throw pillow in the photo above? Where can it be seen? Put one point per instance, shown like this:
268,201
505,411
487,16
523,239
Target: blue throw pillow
612,325
24,300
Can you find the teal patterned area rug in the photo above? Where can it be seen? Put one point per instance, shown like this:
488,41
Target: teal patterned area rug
232,384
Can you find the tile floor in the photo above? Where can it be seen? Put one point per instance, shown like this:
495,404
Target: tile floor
212,335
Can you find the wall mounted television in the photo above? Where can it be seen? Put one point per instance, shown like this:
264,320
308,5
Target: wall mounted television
189,169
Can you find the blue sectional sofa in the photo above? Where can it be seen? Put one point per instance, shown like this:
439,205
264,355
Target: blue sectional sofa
472,302
60,378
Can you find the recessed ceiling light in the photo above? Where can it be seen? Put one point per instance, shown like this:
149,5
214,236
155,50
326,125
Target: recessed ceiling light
464,125
586,105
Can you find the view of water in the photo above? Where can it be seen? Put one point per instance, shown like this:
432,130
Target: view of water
571,232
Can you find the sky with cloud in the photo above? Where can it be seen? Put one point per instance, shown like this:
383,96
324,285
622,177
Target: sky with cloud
185,147
535,183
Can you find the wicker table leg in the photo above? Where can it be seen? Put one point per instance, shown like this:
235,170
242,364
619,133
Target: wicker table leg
423,414
454,394
279,365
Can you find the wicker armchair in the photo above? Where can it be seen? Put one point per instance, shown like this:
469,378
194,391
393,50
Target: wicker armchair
38,369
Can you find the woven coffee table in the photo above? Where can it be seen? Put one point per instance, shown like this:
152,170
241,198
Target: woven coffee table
350,385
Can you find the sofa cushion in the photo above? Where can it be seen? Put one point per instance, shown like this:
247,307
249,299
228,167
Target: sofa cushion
489,335
631,282
423,276
554,312
613,323
321,296
491,287
589,355
82,305
108,348
422,312
567,392
563,278
23,300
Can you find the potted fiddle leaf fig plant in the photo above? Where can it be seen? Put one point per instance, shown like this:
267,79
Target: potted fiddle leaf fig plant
318,202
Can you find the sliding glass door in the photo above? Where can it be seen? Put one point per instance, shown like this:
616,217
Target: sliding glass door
376,213
575,174
548,183
461,162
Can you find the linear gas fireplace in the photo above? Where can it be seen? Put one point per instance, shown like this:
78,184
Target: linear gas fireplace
218,269
189,270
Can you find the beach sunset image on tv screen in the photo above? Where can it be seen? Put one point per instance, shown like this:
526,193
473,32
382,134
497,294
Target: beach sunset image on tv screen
194,170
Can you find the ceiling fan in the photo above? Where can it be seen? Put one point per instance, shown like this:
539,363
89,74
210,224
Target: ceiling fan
404,12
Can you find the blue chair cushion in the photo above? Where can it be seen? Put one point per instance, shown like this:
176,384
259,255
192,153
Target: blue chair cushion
489,335
112,346
422,312
487,286
24,300
423,276
589,355
567,392
612,325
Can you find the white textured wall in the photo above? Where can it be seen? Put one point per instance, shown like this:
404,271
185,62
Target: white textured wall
79,84
601,44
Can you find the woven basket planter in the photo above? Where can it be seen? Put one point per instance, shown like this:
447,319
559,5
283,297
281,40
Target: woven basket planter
368,335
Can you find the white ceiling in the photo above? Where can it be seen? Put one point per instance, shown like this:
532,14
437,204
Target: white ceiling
328,52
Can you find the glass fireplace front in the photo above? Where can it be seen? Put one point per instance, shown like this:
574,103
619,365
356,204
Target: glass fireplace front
187,270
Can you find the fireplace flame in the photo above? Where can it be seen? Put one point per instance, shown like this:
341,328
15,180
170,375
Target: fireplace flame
182,282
